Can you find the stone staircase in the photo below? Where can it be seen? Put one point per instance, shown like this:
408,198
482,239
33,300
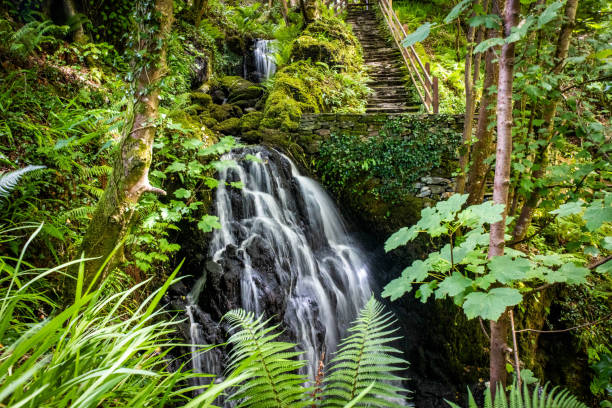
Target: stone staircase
383,63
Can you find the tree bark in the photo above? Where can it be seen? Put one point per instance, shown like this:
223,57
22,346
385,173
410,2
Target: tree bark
199,9
483,147
548,116
470,102
130,178
285,12
499,329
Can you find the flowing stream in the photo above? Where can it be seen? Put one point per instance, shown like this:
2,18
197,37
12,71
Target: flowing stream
265,62
285,241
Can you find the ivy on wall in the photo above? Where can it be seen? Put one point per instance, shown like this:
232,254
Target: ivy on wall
387,165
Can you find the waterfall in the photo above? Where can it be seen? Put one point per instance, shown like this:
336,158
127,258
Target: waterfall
284,240
265,63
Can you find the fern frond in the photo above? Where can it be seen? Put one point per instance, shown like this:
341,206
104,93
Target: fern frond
79,213
94,191
364,357
273,364
9,180
524,398
95,171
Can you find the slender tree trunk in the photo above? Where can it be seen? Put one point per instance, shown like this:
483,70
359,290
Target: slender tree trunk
285,11
199,9
548,116
79,33
499,329
130,177
484,136
470,102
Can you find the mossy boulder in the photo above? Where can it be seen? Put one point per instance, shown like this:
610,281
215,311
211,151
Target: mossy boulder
331,41
208,121
252,136
250,121
201,99
237,91
225,111
230,126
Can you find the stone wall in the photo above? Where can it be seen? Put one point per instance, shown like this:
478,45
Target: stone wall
314,128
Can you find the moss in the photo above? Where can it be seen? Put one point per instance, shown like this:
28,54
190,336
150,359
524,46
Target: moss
252,136
209,122
250,121
230,126
224,112
201,99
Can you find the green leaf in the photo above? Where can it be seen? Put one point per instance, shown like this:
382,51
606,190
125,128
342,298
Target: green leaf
488,43
416,272
478,215
208,223
192,144
211,182
396,288
596,214
458,9
425,291
252,158
431,222
569,273
453,285
574,207
182,193
492,304
401,237
489,21
418,35
449,208
159,174
549,14
176,167
506,269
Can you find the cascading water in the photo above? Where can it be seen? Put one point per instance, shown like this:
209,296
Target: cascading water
265,63
284,249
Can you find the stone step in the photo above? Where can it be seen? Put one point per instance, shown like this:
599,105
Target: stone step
394,110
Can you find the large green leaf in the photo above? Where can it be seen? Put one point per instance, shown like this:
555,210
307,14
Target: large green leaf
449,208
418,35
549,14
490,305
567,209
401,237
453,285
506,269
458,9
568,273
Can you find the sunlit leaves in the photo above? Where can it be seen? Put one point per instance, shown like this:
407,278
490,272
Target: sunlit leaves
506,269
401,237
550,13
453,285
458,9
182,193
490,305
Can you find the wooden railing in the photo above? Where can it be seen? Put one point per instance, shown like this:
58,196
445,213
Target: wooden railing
425,84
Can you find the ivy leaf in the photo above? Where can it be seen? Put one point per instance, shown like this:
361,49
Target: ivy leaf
396,288
182,193
458,9
401,237
567,209
568,273
453,285
208,223
506,269
549,14
418,35
492,304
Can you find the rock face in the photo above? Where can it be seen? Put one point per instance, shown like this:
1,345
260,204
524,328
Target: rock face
283,251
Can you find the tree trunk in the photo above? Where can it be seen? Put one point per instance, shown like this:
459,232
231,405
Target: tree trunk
548,116
199,9
483,147
285,12
499,329
130,178
470,102
79,33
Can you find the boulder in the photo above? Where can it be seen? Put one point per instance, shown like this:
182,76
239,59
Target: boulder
250,121
230,126
224,112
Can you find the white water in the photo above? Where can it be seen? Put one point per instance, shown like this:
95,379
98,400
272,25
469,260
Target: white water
291,222
265,62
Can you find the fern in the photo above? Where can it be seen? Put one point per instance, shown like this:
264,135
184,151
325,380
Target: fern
539,398
364,357
273,381
9,180
79,212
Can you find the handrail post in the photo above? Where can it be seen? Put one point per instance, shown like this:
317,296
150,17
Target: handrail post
428,100
436,100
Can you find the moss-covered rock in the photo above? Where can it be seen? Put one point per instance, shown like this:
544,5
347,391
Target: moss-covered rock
201,99
250,121
230,126
225,111
252,136
208,121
